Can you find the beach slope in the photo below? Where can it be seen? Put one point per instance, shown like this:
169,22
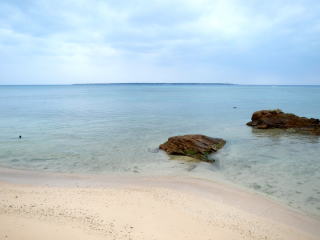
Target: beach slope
163,208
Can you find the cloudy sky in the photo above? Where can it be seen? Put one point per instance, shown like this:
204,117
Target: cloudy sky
92,41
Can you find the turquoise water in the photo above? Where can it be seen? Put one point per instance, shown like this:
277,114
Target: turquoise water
117,128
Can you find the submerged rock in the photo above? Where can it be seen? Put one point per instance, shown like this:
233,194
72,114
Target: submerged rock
266,119
195,146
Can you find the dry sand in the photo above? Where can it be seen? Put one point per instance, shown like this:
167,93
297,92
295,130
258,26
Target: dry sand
141,208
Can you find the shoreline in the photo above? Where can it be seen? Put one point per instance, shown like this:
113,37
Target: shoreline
65,179
147,197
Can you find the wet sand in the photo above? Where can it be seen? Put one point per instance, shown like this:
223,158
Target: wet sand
55,206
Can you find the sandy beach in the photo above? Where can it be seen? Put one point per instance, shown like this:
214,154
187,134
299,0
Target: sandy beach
51,206
159,120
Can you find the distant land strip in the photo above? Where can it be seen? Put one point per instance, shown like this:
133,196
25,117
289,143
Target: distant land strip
154,84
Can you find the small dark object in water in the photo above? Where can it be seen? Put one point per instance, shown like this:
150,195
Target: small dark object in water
20,137
234,107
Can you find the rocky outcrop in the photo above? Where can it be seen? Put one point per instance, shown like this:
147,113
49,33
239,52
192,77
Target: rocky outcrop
195,146
266,119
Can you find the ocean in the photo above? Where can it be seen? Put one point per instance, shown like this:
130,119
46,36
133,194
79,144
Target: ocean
117,128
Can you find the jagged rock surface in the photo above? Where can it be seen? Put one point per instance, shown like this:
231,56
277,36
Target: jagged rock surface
195,146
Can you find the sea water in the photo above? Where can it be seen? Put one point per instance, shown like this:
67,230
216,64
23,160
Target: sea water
103,129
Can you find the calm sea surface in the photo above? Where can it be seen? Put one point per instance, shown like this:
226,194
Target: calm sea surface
117,128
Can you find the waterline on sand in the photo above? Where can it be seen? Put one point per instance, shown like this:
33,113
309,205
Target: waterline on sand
121,207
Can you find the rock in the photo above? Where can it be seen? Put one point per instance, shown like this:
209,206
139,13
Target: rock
195,146
266,119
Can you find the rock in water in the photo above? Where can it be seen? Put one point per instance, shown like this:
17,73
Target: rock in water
195,146
265,119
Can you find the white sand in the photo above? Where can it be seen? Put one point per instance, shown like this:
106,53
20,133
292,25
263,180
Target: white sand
142,208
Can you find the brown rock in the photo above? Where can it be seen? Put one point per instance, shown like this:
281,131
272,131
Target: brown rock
195,146
266,119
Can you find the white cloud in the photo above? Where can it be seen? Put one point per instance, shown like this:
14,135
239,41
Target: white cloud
116,40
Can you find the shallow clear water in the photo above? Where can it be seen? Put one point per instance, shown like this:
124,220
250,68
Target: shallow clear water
116,128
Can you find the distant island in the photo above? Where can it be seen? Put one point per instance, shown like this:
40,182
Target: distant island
155,84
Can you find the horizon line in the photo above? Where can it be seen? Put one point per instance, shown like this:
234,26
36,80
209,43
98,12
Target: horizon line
159,83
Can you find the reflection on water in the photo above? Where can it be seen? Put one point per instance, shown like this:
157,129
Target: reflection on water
290,133
278,163
101,129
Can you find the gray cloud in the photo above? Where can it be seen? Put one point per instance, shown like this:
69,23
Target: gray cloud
47,42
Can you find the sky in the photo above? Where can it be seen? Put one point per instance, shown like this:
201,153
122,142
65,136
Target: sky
103,41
